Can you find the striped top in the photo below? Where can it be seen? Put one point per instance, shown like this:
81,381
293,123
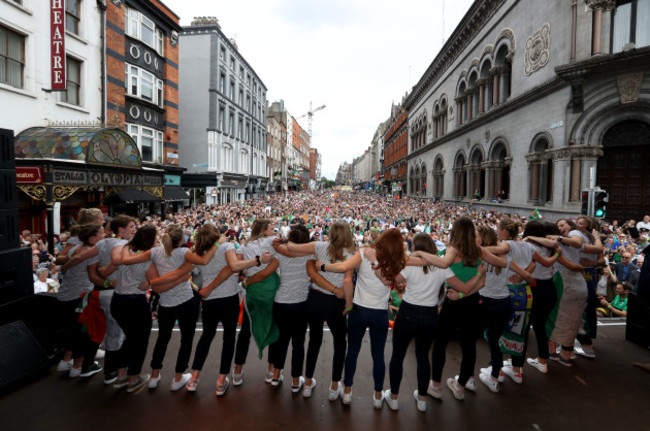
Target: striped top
210,271
180,293
75,281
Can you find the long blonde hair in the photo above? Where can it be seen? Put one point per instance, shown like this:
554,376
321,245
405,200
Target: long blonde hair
340,239
259,226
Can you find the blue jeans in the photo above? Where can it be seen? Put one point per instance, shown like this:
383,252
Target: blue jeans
377,321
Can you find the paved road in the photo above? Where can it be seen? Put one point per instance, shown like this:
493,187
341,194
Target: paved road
603,394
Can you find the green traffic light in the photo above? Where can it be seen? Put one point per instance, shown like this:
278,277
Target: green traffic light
600,213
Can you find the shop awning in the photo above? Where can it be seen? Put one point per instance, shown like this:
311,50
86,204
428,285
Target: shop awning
134,195
175,193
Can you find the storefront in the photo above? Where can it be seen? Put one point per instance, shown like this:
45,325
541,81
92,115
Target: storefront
60,170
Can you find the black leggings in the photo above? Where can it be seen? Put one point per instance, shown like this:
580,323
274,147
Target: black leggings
226,311
186,313
133,314
292,323
326,308
73,338
244,339
461,315
495,314
412,321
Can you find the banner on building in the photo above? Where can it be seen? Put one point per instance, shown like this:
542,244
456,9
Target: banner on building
57,44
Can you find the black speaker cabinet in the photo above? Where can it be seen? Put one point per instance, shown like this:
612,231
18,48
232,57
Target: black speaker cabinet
637,327
20,353
16,276
9,229
8,190
7,160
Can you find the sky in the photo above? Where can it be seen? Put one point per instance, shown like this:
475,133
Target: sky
357,57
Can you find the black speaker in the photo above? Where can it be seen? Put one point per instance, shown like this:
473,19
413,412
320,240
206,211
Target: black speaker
7,160
20,353
637,326
9,237
16,276
8,189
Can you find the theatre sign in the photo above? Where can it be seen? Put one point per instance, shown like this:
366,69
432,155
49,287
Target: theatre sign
118,179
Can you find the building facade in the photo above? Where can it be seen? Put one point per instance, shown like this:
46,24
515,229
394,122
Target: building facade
552,97
69,152
395,150
222,117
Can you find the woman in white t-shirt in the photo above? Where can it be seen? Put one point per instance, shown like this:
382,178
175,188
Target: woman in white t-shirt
417,318
385,259
43,283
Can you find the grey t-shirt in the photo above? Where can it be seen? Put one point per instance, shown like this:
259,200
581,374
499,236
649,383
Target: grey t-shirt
129,278
257,248
105,248
75,281
572,254
210,271
164,264
336,278
294,281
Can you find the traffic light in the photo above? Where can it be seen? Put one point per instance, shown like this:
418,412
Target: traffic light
585,202
601,198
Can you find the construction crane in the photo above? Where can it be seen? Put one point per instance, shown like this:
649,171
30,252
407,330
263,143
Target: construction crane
310,116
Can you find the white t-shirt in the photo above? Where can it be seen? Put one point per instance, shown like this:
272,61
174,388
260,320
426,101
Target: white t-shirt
423,289
42,287
370,291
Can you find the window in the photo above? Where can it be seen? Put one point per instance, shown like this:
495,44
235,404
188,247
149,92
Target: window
221,119
142,28
12,58
222,83
222,53
241,97
241,73
226,162
630,22
232,62
149,141
145,85
243,161
240,128
72,15
232,88
73,82
231,124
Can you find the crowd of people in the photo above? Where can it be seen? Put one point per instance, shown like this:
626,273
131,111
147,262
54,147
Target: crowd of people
277,265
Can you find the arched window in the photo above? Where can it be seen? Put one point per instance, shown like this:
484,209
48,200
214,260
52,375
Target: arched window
227,160
438,178
477,173
540,171
486,85
423,179
460,186
499,171
503,71
243,161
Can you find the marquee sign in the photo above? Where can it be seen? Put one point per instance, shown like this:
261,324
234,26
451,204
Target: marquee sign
57,47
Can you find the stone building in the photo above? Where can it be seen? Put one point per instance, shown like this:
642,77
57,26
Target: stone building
222,117
537,100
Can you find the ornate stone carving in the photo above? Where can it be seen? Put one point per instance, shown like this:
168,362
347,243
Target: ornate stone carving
468,142
451,113
36,192
601,4
154,191
576,152
537,49
533,158
629,87
486,135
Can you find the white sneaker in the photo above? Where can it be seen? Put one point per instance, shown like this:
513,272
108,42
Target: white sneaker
489,382
488,371
153,382
138,384
183,381
237,379
435,392
347,398
306,390
276,382
378,403
509,371
456,389
334,393
301,382
268,377
542,368
470,385
222,388
64,366
422,405
74,372
393,404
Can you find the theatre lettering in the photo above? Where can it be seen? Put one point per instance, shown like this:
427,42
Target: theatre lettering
105,178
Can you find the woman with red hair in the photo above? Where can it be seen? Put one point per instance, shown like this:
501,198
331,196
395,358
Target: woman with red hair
377,265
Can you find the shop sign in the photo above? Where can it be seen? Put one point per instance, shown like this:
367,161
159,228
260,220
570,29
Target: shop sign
172,180
105,178
57,44
29,175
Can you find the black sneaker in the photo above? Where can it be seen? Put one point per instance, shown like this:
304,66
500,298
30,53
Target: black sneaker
92,370
110,378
